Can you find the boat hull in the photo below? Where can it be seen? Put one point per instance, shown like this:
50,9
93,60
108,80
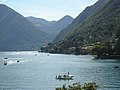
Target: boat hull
5,62
65,77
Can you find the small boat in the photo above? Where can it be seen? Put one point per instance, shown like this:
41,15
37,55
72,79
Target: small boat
5,62
116,67
5,58
64,77
18,61
39,50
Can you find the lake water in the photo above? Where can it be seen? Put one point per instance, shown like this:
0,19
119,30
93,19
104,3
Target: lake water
37,71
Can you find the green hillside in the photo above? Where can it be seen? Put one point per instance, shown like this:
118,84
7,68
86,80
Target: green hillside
102,26
88,12
98,28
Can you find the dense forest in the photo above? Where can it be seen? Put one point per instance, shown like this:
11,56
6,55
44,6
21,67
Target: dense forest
101,30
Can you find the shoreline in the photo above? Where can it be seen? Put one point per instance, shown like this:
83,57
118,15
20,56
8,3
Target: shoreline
107,57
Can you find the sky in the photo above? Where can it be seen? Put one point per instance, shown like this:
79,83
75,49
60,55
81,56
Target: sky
48,9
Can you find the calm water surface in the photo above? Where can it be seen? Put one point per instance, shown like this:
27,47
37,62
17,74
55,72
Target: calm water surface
37,71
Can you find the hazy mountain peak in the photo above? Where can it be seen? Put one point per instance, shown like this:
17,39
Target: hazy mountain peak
84,15
52,27
17,33
97,23
67,17
3,5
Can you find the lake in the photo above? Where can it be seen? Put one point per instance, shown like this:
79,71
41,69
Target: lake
37,71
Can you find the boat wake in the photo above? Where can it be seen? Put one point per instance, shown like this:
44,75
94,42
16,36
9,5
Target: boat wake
9,62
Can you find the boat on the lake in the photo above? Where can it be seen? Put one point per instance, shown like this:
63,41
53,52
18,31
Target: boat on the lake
5,58
116,67
65,77
39,50
18,61
5,62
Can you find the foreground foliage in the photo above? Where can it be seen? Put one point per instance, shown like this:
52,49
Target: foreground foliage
77,86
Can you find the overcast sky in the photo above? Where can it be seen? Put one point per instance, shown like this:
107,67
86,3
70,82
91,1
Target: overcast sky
48,9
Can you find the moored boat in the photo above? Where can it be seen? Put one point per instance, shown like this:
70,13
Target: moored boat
5,58
64,77
5,62
116,67
18,61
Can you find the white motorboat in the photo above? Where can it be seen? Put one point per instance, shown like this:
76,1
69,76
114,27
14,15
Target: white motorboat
5,62
64,77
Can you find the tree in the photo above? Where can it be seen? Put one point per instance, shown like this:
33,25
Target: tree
77,86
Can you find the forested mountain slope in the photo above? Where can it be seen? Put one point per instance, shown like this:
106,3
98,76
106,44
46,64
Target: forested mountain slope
102,26
89,11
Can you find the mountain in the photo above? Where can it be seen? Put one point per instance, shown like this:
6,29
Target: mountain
51,27
102,26
89,11
17,33
62,23
40,23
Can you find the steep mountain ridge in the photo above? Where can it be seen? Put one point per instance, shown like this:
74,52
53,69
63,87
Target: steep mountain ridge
41,24
103,27
51,27
17,33
62,23
40,21
89,11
